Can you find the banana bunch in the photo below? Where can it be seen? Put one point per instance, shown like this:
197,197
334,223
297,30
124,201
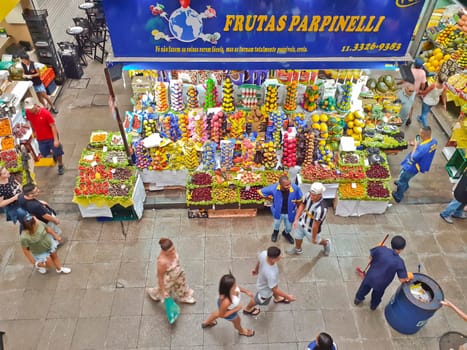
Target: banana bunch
191,157
176,159
271,98
237,123
269,155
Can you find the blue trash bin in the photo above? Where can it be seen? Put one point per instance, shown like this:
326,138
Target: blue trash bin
407,314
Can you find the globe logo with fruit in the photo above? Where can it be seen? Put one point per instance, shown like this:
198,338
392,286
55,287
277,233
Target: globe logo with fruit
185,24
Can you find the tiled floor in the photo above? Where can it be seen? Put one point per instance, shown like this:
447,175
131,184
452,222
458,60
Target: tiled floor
102,303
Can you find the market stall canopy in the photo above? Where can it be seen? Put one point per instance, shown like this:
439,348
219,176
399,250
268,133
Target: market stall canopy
275,34
6,7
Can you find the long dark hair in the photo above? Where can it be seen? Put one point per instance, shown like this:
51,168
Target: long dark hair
225,285
324,342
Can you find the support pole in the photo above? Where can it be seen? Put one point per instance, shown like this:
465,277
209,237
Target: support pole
113,106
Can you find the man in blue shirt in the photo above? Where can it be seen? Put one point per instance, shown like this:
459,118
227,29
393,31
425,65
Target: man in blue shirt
385,263
419,160
285,197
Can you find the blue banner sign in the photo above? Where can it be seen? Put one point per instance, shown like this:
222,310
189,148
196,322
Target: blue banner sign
261,30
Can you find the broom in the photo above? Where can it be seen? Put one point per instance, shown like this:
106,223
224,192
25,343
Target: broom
359,270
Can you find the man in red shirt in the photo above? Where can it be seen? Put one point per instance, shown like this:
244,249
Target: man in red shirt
44,127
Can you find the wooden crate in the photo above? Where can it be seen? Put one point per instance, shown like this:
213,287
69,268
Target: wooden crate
231,213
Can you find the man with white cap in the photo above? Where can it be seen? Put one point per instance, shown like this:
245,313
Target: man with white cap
45,130
310,216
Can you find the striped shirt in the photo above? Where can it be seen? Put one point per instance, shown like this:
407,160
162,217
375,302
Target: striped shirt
312,212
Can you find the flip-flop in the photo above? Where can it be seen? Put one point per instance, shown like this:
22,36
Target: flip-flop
253,312
250,333
209,325
281,300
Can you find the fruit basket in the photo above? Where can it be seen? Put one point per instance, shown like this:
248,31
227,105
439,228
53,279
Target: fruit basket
225,194
351,174
352,191
250,195
114,141
272,176
11,160
378,172
350,159
200,197
313,173
98,138
115,158
249,178
199,179
5,127
378,190
90,157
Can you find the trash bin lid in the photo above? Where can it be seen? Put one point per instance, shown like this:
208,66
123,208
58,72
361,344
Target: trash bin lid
429,285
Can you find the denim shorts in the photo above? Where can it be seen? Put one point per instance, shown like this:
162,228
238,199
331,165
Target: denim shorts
301,233
39,88
231,317
47,146
42,257
260,300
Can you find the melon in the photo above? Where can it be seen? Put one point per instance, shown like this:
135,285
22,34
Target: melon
389,81
382,87
371,84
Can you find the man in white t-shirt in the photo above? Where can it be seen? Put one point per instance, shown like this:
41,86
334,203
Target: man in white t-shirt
267,283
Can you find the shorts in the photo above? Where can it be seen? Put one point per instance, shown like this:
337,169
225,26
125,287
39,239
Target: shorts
260,300
301,233
42,257
39,88
231,317
47,146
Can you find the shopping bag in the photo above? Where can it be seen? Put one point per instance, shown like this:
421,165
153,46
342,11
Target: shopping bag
171,309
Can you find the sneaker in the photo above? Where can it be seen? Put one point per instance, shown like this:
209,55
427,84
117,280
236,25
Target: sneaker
327,247
373,308
61,170
294,251
448,219
42,270
462,216
54,110
65,270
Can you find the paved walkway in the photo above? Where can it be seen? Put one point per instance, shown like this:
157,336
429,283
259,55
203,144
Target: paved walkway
102,303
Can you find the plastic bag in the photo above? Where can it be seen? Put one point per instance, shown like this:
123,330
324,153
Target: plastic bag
171,309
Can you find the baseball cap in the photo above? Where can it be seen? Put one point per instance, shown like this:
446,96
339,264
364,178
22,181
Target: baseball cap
317,188
29,103
418,62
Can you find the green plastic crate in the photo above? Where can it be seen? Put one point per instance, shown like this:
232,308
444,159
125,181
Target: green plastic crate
456,164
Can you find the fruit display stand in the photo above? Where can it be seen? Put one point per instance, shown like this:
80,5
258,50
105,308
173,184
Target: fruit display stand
228,194
107,187
359,185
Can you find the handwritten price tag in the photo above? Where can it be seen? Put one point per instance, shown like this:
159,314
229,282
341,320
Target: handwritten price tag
354,185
